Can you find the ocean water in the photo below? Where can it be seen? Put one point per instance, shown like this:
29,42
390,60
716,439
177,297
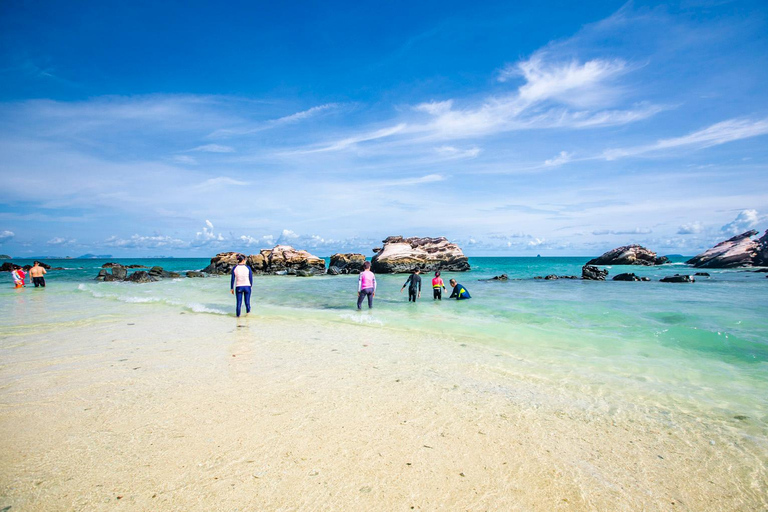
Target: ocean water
699,349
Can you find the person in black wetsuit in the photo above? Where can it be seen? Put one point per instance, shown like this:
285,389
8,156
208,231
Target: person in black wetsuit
414,289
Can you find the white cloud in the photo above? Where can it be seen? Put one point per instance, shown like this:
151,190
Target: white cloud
429,178
744,221
305,114
6,235
453,152
536,242
563,158
692,228
636,231
365,137
207,236
570,82
184,159
221,180
214,148
716,134
61,241
146,242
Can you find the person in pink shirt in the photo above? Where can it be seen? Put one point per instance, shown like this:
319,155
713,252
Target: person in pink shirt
438,286
366,285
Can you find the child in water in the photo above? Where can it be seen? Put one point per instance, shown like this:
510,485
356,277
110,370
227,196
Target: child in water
437,287
18,277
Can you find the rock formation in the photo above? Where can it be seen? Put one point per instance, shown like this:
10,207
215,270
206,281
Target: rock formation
630,277
739,251
629,255
677,278
592,273
118,272
349,263
281,259
399,255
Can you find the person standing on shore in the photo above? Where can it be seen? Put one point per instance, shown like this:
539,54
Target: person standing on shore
242,281
366,285
415,282
459,292
38,272
438,286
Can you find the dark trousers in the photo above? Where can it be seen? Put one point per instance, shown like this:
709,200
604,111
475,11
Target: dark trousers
437,293
240,292
39,281
412,294
366,292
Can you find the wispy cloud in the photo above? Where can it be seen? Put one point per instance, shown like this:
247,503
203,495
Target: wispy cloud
259,126
563,158
61,241
636,231
214,148
716,134
349,142
6,235
572,82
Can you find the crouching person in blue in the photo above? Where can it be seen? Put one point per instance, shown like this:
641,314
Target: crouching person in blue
242,281
459,292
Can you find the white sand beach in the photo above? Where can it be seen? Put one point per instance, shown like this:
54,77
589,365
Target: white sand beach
207,412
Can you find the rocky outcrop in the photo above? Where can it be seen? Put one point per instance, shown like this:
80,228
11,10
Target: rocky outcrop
739,251
222,263
629,255
7,267
195,273
400,255
141,276
118,272
677,278
281,259
348,263
592,273
630,277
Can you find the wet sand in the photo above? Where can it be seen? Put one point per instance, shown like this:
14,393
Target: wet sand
206,412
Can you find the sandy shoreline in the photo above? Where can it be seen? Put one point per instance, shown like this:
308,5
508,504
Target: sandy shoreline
207,412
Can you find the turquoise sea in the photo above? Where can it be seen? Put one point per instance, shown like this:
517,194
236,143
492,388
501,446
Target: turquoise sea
700,349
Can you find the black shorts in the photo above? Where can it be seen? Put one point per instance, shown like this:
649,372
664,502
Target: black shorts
39,281
438,293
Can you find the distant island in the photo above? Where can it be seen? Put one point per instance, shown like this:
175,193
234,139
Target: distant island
94,256
4,257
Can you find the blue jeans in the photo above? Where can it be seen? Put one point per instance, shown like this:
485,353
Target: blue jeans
240,292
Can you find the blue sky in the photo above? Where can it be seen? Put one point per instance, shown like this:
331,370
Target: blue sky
190,128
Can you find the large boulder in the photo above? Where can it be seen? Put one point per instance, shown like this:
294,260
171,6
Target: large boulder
592,273
629,255
141,276
677,278
279,260
119,272
285,257
399,255
346,263
739,251
222,263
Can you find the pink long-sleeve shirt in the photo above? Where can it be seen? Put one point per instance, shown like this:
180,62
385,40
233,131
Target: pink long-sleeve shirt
366,280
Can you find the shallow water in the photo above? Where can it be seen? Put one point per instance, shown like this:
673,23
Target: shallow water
701,347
